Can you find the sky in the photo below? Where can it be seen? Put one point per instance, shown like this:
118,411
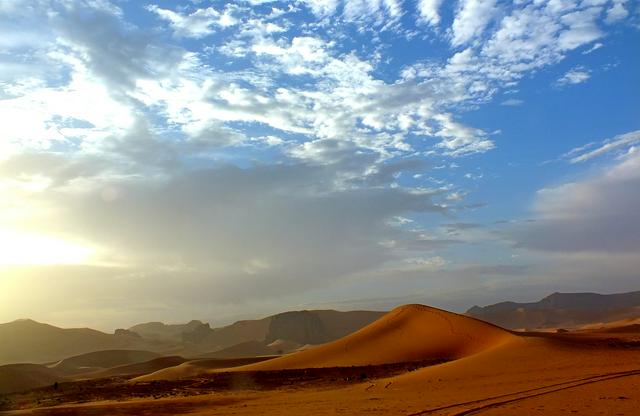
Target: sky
169,161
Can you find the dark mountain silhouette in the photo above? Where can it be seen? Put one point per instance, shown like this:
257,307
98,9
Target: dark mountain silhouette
564,310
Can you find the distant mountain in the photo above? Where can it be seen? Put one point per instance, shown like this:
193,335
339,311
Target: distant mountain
27,341
166,332
302,327
561,310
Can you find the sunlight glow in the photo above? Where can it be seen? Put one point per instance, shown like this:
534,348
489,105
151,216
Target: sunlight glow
17,248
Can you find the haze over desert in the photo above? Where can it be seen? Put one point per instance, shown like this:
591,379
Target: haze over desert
319,207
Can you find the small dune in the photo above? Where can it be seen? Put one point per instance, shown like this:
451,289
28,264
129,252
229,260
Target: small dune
100,360
283,346
19,377
195,367
242,350
135,369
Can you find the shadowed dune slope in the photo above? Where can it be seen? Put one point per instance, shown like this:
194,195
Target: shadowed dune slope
135,369
408,333
99,360
19,377
242,350
254,349
194,368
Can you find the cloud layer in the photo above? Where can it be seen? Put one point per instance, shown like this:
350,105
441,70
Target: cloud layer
267,150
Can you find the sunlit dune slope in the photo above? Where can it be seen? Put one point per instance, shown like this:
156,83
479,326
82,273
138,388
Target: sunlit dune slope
523,368
19,377
408,333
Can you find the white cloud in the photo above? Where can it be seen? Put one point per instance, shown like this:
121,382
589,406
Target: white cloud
582,28
472,17
322,8
429,11
576,75
617,12
459,140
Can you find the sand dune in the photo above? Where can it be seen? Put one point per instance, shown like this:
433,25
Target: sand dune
408,333
135,369
254,349
283,346
100,360
19,377
242,350
528,374
194,368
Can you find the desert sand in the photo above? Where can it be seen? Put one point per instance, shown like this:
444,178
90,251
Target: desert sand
461,366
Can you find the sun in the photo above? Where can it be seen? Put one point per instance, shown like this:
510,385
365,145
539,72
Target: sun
23,249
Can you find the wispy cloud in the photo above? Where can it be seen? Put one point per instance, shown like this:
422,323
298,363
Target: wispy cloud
512,102
621,141
198,24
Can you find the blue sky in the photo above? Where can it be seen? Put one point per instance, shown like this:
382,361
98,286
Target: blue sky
204,159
